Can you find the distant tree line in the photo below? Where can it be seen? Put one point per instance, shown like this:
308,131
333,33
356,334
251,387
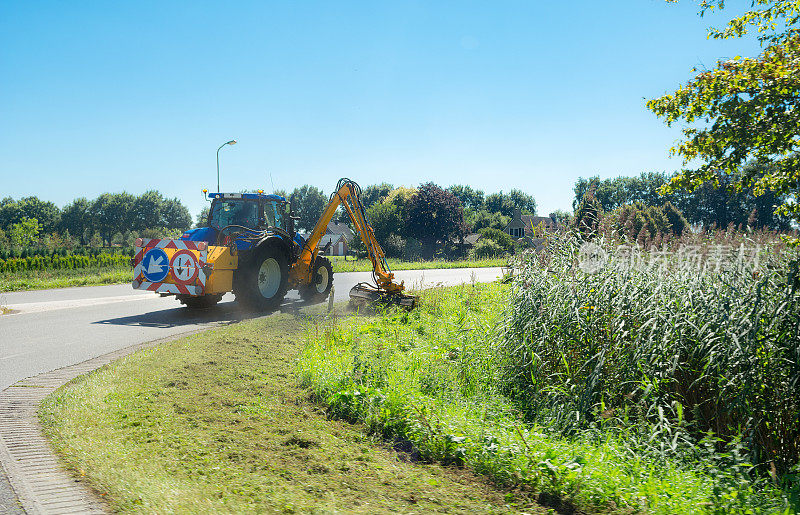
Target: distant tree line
710,205
23,222
420,219
640,208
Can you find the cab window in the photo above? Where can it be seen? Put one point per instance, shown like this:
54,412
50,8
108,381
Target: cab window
273,214
234,212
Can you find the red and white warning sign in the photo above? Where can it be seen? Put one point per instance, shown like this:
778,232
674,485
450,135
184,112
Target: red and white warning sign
186,274
184,267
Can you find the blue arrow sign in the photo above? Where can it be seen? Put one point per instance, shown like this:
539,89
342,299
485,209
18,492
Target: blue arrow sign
155,265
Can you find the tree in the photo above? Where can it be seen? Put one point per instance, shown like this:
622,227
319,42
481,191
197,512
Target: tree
470,198
46,213
708,205
477,220
308,203
744,108
499,203
148,211
112,213
202,217
174,215
375,193
76,220
522,201
435,215
507,203
385,219
24,233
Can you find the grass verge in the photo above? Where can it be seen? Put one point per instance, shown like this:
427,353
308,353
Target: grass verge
217,422
429,378
46,279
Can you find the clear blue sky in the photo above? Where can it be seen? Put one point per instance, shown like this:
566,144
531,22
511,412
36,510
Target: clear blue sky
112,96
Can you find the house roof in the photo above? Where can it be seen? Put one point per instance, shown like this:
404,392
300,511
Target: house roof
333,238
340,228
528,222
533,221
472,239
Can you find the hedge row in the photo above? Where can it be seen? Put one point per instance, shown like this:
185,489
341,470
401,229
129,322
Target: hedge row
45,252
62,262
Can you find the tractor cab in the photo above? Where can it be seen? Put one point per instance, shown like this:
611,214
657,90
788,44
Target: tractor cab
233,213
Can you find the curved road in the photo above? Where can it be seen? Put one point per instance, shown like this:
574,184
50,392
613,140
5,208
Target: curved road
50,329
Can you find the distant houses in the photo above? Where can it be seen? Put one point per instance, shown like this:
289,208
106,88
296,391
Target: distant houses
522,226
336,240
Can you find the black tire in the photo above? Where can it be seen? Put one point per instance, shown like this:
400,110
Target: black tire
262,282
321,281
199,301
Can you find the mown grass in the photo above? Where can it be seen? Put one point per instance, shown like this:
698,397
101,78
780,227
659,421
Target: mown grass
434,378
365,265
217,422
46,279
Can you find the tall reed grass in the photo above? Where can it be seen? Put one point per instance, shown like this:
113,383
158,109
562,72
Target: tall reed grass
700,344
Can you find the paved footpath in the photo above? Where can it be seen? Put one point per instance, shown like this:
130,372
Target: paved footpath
56,335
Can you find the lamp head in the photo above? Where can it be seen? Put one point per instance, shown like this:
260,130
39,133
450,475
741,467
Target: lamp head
231,142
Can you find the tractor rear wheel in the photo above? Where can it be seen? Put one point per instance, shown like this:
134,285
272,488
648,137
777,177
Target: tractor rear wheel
321,281
262,283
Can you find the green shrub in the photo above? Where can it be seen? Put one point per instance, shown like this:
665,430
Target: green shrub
486,249
502,239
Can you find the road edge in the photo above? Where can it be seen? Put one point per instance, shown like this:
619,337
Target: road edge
41,482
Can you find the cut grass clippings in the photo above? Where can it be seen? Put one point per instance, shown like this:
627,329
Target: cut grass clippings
217,422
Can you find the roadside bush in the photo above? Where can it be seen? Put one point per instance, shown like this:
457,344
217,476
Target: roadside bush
394,246
486,249
503,239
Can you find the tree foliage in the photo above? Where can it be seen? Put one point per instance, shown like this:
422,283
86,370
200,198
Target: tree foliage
386,220
744,109
109,215
308,203
719,204
435,214
470,198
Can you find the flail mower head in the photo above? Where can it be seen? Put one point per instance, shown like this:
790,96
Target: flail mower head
365,293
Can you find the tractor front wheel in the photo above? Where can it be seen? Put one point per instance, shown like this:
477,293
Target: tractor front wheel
321,281
263,282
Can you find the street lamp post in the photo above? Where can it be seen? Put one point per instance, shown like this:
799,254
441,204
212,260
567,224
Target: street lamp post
231,142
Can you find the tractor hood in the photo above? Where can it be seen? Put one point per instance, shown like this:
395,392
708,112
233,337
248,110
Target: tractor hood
206,234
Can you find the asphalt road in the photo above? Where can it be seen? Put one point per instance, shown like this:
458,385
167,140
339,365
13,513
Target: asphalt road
50,329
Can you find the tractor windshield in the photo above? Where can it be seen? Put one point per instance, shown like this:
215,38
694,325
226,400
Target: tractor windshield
234,212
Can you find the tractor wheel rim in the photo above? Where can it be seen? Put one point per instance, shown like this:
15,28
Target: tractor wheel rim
269,278
323,279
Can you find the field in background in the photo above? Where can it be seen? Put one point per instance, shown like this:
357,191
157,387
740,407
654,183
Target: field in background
218,422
